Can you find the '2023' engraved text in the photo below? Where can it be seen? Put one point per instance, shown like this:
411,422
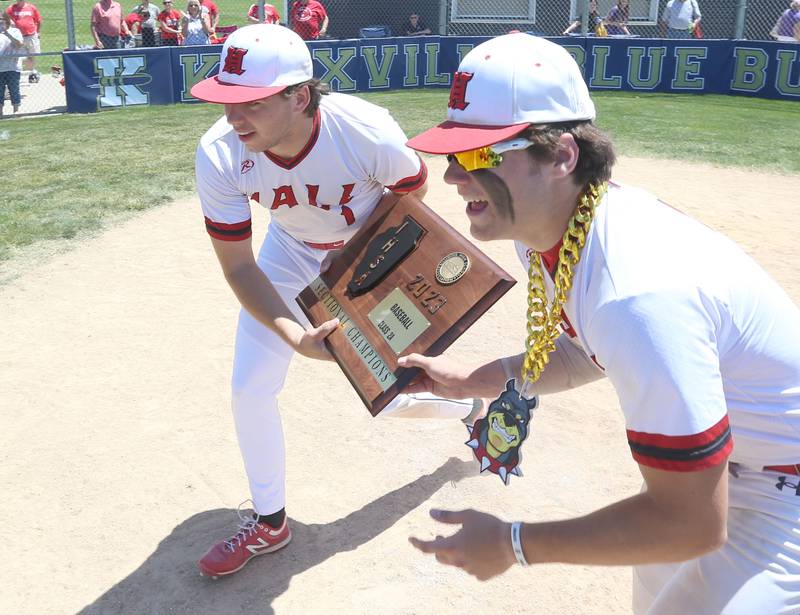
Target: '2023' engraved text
431,300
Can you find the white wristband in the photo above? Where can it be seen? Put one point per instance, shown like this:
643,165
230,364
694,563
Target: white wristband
516,544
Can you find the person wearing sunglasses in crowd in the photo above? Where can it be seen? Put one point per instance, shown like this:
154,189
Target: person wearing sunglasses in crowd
169,21
701,346
195,25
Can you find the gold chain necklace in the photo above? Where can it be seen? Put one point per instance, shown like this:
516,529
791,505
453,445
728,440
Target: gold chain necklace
543,323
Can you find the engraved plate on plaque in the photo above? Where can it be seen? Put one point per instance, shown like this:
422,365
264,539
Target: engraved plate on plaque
398,320
377,367
391,263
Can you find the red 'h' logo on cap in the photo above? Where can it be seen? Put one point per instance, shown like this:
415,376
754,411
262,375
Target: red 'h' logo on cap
458,91
233,61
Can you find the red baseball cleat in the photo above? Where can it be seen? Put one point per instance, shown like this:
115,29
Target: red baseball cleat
253,538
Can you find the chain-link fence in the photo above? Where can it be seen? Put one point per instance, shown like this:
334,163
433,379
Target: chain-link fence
748,19
67,25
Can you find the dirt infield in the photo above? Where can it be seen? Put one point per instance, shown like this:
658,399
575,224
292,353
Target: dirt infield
119,465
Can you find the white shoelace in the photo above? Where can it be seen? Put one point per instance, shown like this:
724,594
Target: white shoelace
247,527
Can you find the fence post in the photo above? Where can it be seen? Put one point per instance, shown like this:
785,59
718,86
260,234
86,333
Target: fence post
741,11
70,24
584,16
260,12
443,17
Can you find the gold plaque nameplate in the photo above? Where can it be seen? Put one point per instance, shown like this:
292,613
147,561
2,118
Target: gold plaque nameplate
398,320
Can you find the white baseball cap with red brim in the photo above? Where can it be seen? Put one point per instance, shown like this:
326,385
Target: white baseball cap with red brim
502,87
257,61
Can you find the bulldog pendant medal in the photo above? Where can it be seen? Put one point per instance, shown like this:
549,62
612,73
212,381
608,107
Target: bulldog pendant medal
496,439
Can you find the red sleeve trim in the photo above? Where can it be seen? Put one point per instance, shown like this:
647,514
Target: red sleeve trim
409,184
683,453
229,232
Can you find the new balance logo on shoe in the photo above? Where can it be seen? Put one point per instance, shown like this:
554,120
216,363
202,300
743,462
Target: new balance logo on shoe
263,544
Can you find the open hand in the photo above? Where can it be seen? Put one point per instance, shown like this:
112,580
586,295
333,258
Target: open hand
482,547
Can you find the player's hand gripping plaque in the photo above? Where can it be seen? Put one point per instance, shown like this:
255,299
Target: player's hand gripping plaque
406,282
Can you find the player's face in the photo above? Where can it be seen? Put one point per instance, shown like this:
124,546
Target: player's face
497,197
264,124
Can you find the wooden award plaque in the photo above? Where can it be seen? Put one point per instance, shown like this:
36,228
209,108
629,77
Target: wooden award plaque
407,282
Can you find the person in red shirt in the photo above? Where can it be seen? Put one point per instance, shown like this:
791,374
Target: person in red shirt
309,19
131,26
170,22
270,14
28,20
213,12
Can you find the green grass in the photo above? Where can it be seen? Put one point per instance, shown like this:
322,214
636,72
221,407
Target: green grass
73,173
724,130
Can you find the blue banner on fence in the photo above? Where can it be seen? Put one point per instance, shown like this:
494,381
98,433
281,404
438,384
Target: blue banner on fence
97,80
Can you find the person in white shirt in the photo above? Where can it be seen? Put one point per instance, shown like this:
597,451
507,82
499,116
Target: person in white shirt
700,344
11,43
680,18
195,25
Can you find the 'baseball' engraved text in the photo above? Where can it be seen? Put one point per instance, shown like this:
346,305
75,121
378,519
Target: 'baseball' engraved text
402,317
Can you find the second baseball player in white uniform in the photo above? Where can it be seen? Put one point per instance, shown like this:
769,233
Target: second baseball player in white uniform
700,344
319,164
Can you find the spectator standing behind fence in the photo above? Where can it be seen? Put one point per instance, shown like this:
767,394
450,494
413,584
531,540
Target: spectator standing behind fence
415,26
131,26
787,28
309,19
169,20
617,18
195,25
208,6
594,19
680,18
11,43
149,13
106,22
125,36
28,20
270,14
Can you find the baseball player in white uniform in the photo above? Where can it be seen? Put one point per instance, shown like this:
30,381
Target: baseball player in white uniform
319,164
701,345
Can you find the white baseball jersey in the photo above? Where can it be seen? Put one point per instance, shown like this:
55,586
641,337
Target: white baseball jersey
698,341
325,192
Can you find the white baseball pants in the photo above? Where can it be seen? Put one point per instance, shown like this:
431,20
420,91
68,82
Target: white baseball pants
756,571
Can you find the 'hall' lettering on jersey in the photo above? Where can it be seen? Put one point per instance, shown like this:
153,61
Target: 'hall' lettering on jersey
285,196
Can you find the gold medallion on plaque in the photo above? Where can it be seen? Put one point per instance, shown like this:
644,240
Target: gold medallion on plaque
452,268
